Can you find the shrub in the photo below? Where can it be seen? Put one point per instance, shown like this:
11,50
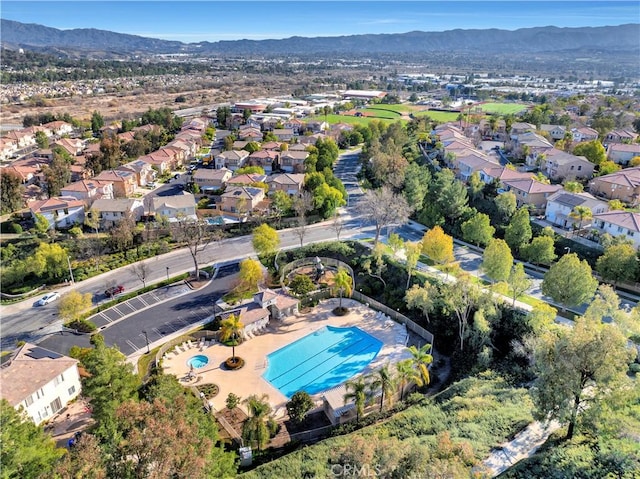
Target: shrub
76,232
82,326
634,368
301,284
16,228
232,401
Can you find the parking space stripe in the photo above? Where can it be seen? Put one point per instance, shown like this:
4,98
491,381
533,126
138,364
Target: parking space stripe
135,348
117,311
105,317
143,301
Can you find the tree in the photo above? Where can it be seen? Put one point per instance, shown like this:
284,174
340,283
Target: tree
416,185
581,214
478,229
395,242
301,284
592,151
573,187
384,208
57,174
616,205
578,368
231,329
607,167
122,234
375,265
357,391
85,460
327,199
299,405
42,140
405,374
412,252
195,235
422,298
421,359
50,259
459,298
141,270
250,275
449,195
384,381
11,191
518,281
518,232
342,284
281,204
92,219
232,401
497,260
506,204
540,251
27,451
541,318
266,240
255,430
300,229
109,383
438,245
73,304
569,281
618,263
476,187
97,122
337,224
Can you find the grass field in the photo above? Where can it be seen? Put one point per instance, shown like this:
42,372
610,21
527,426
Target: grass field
352,120
502,108
441,116
397,107
382,113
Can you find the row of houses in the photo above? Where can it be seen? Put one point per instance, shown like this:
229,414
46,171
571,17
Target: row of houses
551,200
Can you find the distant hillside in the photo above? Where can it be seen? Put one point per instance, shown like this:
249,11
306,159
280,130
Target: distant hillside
623,38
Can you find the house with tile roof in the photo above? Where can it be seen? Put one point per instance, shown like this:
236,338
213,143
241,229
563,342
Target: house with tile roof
264,159
531,193
584,133
241,200
619,223
246,179
124,182
208,179
111,212
293,161
291,183
175,207
561,203
622,153
623,185
39,382
469,163
559,165
232,160
142,170
499,173
620,136
61,212
59,127
89,190
555,132
72,146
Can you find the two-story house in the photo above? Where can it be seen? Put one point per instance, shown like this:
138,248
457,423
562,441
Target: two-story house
560,165
583,134
291,183
293,161
241,200
111,212
531,193
623,185
72,146
143,171
211,180
562,203
60,211
620,136
59,128
555,132
89,190
284,134
39,382
264,159
175,207
619,223
124,182
231,159
622,153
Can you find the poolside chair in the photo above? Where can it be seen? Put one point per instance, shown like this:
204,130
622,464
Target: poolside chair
189,344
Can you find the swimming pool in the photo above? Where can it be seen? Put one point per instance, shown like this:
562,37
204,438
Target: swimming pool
321,360
198,361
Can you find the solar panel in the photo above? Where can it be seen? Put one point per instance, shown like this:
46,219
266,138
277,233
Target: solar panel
40,353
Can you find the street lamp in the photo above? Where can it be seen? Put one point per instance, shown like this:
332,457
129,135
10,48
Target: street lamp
167,273
567,249
146,338
70,271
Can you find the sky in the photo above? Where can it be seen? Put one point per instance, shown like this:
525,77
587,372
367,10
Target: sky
195,21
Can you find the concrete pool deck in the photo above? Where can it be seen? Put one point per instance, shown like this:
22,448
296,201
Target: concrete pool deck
248,380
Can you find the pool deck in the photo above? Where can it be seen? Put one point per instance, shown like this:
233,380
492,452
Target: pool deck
248,380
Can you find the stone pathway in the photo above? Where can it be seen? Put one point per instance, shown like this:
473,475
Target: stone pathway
524,445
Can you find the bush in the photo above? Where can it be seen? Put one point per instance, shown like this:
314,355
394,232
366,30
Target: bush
16,228
634,368
82,326
76,232
301,284
273,427
232,401
233,365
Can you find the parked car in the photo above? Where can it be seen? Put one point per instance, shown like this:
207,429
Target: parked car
114,290
151,185
48,298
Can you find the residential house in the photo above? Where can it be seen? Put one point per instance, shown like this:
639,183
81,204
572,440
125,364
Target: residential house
559,165
317,126
79,169
159,161
498,132
311,139
561,203
584,133
518,128
143,171
21,139
250,134
622,185
469,163
60,211
294,125
293,161
111,212
59,128
555,132
188,146
622,153
39,382
241,200
175,207
231,159
8,148
124,182
284,134
29,170
89,190
271,146
211,180
73,146
498,173
620,136
246,179
240,144
531,193
536,146
619,223
264,158
178,155
290,183
126,137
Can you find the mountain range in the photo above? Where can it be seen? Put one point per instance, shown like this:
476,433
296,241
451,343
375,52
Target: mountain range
614,39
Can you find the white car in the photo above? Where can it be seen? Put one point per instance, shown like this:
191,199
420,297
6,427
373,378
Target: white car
48,298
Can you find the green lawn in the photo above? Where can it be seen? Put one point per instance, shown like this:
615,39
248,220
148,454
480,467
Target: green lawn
440,116
503,108
352,120
397,107
382,113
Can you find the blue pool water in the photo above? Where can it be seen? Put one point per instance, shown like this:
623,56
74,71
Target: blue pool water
215,221
198,361
321,360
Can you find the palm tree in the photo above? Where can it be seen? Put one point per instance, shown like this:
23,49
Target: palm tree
254,429
421,358
231,328
342,284
581,213
405,374
358,392
383,380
